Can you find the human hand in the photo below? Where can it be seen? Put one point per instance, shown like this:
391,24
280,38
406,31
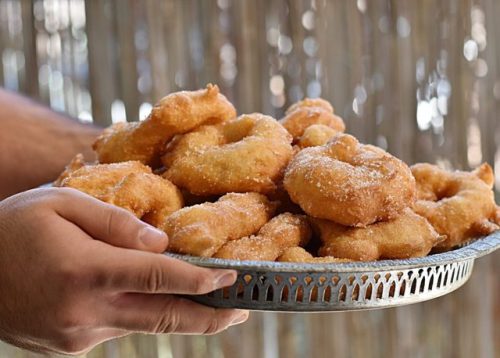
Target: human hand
75,272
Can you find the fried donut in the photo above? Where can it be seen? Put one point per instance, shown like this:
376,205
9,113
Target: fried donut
307,112
349,183
129,185
76,163
242,155
283,231
316,135
299,254
458,204
483,227
408,235
176,113
201,230
96,180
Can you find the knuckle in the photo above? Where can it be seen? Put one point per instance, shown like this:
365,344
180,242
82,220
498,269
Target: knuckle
71,275
214,326
201,284
59,194
168,322
111,221
76,278
68,275
156,279
98,279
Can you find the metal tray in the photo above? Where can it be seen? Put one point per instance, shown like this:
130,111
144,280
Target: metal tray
275,286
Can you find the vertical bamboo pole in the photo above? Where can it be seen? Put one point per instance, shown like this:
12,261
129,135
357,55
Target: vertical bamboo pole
125,13
29,83
102,60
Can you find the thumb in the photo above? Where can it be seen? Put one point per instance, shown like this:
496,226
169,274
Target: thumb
108,223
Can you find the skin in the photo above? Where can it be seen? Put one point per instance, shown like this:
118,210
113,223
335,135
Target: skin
75,271
37,143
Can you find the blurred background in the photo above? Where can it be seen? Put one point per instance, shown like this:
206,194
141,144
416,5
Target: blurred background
418,78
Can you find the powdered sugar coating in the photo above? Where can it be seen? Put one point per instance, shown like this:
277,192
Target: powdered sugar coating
283,231
349,183
202,229
245,154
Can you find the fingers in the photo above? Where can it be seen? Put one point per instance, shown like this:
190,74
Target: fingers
171,314
108,223
135,271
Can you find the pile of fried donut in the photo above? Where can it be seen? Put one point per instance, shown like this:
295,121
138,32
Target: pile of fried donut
250,187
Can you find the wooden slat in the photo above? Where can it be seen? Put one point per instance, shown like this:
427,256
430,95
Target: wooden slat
102,59
3,40
29,83
126,13
159,17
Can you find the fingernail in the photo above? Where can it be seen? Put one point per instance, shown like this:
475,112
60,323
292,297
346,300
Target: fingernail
150,235
226,279
240,318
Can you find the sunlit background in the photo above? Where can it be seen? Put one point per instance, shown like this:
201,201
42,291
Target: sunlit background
418,78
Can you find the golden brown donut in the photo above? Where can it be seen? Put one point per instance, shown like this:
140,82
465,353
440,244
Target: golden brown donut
201,230
179,112
307,112
316,135
408,235
76,163
129,185
283,231
299,254
242,155
349,183
460,205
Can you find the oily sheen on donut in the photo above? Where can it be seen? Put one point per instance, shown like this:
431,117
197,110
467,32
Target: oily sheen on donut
245,154
179,112
349,183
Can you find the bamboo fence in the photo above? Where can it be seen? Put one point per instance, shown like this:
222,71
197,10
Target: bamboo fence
420,78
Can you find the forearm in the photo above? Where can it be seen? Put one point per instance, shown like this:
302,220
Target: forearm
36,143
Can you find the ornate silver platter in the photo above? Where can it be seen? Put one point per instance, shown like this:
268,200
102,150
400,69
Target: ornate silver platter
274,286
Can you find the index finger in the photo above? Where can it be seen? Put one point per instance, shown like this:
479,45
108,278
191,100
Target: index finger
136,271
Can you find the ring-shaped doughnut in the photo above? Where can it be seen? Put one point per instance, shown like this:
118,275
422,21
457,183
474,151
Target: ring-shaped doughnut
349,183
242,155
458,204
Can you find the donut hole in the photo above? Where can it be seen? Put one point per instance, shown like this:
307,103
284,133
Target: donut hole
236,131
447,192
